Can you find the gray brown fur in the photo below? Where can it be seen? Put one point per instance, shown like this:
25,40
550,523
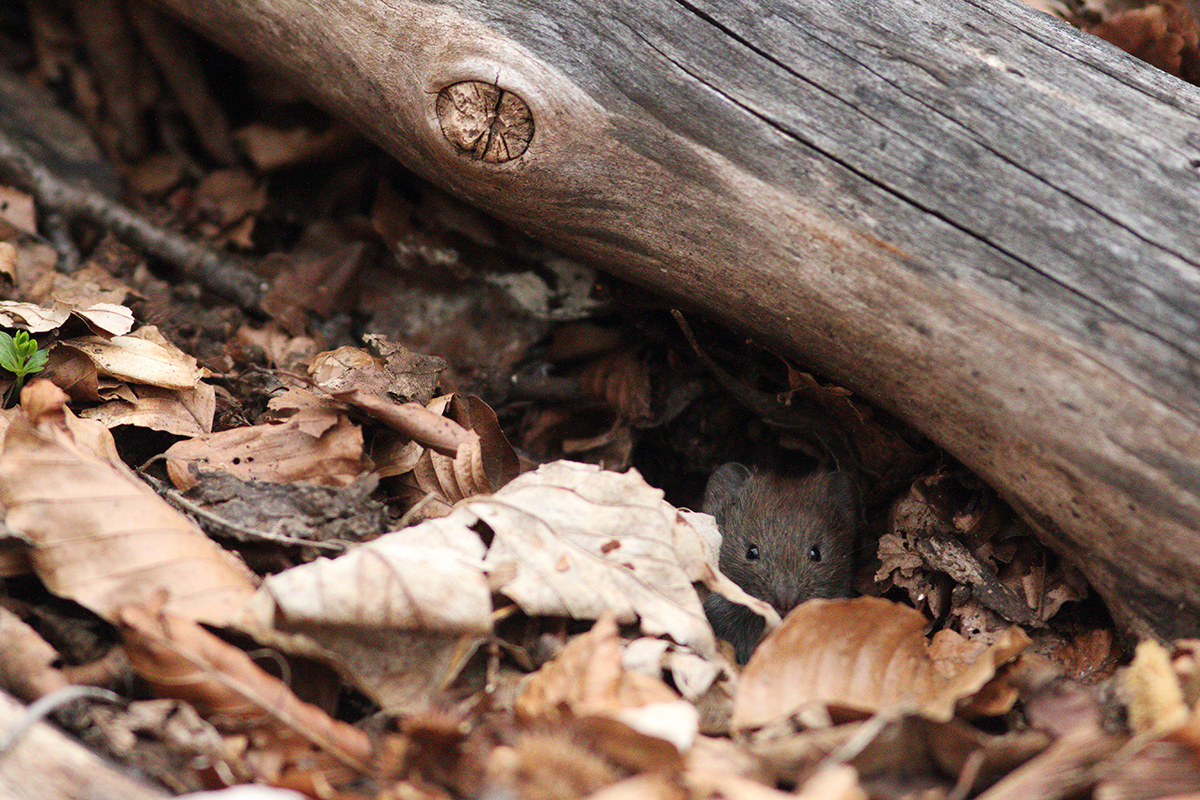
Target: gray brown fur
804,531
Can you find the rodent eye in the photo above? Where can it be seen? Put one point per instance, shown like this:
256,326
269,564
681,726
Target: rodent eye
814,554
752,553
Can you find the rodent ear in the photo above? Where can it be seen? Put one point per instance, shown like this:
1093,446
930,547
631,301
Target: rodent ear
724,486
846,498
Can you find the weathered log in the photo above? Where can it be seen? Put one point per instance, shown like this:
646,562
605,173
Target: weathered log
964,210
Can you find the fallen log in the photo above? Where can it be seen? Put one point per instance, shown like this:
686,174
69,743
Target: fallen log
964,210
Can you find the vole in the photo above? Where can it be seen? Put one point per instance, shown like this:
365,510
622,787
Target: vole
784,540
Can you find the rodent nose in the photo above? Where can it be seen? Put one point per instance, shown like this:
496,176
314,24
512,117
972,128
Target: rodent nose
784,606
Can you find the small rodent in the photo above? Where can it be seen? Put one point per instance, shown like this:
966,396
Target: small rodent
784,540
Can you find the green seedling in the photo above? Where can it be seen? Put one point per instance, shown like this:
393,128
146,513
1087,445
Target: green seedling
20,355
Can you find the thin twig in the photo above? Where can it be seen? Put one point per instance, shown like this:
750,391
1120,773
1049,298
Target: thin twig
218,272
50,703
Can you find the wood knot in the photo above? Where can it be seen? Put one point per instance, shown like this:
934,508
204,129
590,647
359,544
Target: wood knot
484,121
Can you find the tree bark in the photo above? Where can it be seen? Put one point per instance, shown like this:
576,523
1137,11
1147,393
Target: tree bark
965,210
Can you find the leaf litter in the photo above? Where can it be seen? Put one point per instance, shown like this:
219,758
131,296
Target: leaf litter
412,595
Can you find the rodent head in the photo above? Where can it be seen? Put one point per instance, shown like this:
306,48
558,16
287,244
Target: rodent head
785,540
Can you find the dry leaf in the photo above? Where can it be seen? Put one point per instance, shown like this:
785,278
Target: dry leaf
8,261
183,412
1159,769
17,212
180,659
1161,34
142,357
31,317
316,444
467,452
26,661
1152,691
622,381
589,678
580,542
865,655
89,286
428,577
99,535
106,318
691,675
319,274
399,615
1064,769
271,148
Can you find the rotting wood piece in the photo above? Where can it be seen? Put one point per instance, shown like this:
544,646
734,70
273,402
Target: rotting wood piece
962,209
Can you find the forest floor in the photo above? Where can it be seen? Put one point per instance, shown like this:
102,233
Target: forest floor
315,477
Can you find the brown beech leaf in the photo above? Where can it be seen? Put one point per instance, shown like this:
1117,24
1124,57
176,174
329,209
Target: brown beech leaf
622,381
17,212
588,677
317,443
183,412
141,357
395,372
271,148
98,534
865,655
1159,34
181,660
467,454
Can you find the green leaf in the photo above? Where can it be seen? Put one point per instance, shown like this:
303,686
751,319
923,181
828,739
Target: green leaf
37,361
10,358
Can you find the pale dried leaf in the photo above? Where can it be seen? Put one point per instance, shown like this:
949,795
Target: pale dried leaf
481,462
110,318
674,721
102,537
281,350
414,376
729,786
648,786
89,286
347,369
1152,690
31,317
1056,8
271,148
867,655
229,195
1067,768
834,782
394,454
26,661
691,675
183,412
428,577
399,615
584,541
140,360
